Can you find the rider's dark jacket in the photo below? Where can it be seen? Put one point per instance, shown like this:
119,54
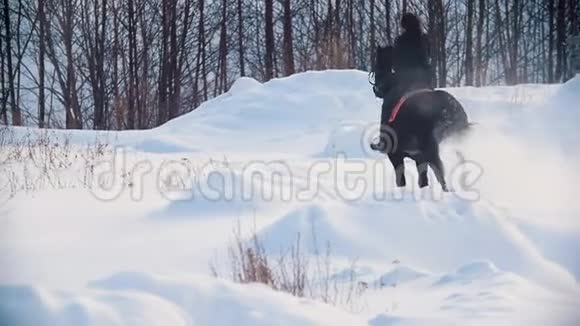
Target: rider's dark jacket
411,58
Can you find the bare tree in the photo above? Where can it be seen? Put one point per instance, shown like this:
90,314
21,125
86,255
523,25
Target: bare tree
440,39
574,15
94,25
3,95
269,60
288,51
373,40
551,15
65,71
41,69
16,115
388,21
221,81
469,45
138,63
241,38
560,40
479,47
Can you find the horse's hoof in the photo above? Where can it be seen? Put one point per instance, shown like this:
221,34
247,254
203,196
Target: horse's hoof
381,146
377,147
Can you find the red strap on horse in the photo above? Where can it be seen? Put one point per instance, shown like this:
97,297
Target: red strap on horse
402,100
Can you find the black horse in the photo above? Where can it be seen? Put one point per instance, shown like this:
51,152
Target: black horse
425,118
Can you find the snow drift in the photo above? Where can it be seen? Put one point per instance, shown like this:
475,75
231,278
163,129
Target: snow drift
141,299
506,256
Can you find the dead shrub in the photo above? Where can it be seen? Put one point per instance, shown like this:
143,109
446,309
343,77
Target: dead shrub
44,159
292,270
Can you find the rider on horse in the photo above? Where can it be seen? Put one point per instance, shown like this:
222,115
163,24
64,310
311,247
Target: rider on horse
410,61
411,54
415,118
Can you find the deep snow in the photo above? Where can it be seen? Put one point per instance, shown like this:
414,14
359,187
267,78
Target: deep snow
502,252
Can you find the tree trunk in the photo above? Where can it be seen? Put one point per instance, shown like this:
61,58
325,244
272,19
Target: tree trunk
94,34
288,51
241,39
41,50
574,15
73,112
200,56
441,37
352,58
174,76
269,60
388,21
551,10
131,89
337,48
469,45
502,45
433,40
144,118
117,107
478,47
16,115
3,96
560,40
223,50
373,40
516,31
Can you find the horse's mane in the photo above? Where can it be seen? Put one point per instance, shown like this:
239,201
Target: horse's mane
383,69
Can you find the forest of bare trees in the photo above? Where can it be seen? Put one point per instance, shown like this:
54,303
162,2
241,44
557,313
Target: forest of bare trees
133,64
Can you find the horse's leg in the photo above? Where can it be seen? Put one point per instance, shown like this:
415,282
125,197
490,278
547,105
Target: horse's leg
397,159
434,160
422,169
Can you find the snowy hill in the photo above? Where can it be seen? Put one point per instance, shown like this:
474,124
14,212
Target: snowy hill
133,244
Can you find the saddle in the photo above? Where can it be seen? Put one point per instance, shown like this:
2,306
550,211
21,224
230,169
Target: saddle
402,100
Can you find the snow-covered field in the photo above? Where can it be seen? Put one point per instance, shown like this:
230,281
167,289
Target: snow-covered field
133,245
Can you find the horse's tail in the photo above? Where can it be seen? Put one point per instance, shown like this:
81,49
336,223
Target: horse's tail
453,120
465,130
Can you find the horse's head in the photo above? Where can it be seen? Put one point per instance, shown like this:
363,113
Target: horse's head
384,58
383,69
